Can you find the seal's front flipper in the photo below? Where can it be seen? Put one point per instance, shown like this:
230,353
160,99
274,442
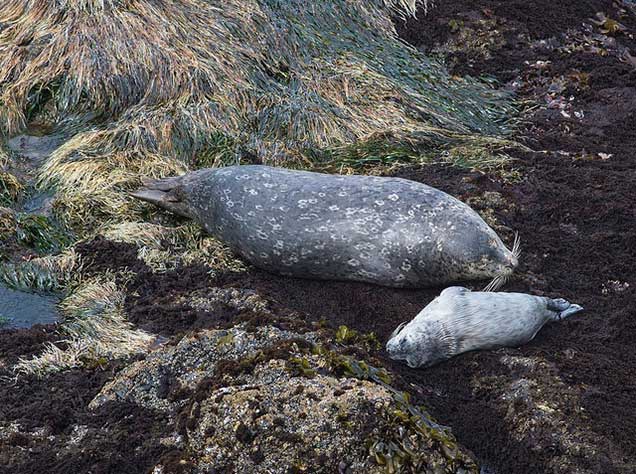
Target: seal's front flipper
165,193
563,308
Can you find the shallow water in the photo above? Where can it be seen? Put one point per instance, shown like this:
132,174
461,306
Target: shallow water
38,203
23,309
36,148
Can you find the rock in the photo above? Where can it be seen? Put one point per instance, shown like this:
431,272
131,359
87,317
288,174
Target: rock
307,424
239,299
279,422
274,401
149,382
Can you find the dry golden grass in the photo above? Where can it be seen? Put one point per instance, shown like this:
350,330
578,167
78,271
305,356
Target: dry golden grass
144,88
165,248
4,157
95,330
10,188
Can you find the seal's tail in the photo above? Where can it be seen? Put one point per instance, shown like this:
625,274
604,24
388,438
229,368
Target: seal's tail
562,309
165,193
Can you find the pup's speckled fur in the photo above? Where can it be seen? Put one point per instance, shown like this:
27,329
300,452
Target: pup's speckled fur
460,320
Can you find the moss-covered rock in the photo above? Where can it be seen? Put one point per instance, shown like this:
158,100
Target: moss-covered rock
265,400
276,421
154,381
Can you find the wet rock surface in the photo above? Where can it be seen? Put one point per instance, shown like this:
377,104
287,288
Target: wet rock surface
35,147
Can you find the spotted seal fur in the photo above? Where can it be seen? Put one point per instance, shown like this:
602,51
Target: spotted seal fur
460,320
388,231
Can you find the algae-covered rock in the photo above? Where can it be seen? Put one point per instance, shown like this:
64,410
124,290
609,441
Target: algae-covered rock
266,400
277,422
173,368
307,424
239,299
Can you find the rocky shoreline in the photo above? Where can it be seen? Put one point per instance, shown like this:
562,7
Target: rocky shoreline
232,369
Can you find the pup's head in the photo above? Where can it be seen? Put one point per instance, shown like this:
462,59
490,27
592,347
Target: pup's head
413,344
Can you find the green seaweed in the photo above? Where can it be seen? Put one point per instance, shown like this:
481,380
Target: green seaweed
377,151
220,150
348,336
41,275
300,367
345,335
40,233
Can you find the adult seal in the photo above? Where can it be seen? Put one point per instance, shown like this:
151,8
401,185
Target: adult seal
387,231
460,320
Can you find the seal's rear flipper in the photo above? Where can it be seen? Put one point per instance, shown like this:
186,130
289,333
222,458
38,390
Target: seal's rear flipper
563,308
164,193
574,308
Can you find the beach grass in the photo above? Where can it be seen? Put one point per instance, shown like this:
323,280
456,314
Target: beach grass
151,89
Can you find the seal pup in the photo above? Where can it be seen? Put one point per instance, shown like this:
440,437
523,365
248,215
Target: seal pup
388,231
460,320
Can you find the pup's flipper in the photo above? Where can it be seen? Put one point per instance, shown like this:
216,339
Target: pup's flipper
563,308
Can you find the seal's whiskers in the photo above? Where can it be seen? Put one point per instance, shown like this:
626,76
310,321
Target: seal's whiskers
494,284
516,246
497,282
397,330
502,279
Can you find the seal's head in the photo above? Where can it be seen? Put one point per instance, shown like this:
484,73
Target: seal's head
485,256
173,193
416,346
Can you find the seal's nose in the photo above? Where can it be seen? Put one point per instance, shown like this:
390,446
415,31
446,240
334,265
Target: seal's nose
510,262
395,346
513,261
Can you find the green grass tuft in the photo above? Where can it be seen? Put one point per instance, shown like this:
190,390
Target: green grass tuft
10,188
40,233
44,274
